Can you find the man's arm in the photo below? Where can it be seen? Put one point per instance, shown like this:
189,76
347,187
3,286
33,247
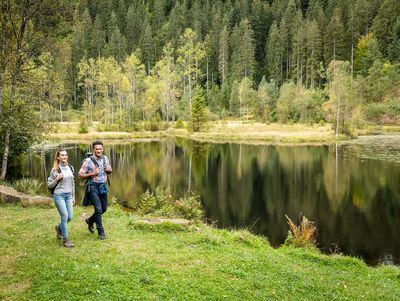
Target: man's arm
86,171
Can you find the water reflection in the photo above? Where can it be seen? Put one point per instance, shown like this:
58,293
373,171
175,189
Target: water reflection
355,201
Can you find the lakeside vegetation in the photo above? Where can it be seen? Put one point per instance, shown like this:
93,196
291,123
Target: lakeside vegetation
152,262
221,131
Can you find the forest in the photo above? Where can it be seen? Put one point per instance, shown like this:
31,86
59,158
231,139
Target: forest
133,65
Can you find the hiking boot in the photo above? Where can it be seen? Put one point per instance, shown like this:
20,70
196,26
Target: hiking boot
90,226
58,232
102,236
68,244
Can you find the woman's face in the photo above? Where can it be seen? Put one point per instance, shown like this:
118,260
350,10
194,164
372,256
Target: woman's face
62,157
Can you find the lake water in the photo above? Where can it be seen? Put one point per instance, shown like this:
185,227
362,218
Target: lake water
351,191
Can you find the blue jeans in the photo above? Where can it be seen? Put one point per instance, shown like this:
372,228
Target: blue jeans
63,202
100,204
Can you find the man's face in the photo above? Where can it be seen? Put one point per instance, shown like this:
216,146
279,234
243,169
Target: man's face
98,150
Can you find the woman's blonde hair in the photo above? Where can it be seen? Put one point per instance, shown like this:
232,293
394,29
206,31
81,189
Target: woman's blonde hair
56,162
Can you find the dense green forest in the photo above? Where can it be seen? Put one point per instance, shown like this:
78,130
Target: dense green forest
123,62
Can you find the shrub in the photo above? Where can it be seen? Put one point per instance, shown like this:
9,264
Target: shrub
302,235
189,207
179,124
162,203
27,185
83,127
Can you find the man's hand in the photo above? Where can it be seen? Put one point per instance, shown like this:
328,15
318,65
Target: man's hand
108,169
96,171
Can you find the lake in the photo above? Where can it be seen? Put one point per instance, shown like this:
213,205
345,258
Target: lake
350,190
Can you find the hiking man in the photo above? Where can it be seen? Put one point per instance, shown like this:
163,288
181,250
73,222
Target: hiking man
95,170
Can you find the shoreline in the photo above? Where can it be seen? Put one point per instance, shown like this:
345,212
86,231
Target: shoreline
223,132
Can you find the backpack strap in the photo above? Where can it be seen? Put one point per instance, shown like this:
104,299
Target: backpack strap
104,166
72,169
58,181
94,161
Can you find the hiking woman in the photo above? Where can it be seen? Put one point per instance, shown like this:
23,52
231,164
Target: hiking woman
62,184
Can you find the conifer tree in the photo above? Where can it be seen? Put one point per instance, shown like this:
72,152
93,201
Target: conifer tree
394,46
223,54
198,116
384,22
274,54
334,40
242,51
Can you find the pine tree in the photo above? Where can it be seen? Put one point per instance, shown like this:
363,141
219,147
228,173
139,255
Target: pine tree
147,46
98,38
261,19
198,116
334,46
134,26
274,54
242,51
223,54
121,13
117,44
384,21
314,52
394,46
104,12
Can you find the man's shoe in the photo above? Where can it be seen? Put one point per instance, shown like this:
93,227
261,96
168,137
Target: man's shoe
58,232
90,226
68,244
102,236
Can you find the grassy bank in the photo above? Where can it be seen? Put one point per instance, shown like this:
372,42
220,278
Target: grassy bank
140,262
224,131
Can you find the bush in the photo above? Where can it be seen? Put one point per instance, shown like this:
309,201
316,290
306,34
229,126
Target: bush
83,127
179,124
302,235
162,203
27,185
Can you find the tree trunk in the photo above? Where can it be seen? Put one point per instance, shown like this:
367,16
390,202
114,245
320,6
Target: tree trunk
3,51
20,35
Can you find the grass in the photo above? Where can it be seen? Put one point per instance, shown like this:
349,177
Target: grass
161,203
27,185
170,263
217,131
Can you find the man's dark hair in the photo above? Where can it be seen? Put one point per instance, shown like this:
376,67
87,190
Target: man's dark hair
97,142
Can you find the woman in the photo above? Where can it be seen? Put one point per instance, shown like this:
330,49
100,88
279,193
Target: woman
61,181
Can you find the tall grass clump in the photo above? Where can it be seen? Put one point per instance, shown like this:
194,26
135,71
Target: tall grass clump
163,204
27,185
302,235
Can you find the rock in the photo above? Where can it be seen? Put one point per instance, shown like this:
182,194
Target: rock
9,195
159,220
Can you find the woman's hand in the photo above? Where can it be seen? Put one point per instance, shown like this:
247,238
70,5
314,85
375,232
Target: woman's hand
59,176
73,202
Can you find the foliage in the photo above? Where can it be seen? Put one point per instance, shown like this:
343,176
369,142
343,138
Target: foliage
198,115
83,127
27,185
162,203
302,235
179,124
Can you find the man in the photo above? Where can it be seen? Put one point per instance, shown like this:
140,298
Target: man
95,169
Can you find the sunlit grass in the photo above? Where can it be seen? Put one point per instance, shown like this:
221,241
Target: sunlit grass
219,131
170,263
